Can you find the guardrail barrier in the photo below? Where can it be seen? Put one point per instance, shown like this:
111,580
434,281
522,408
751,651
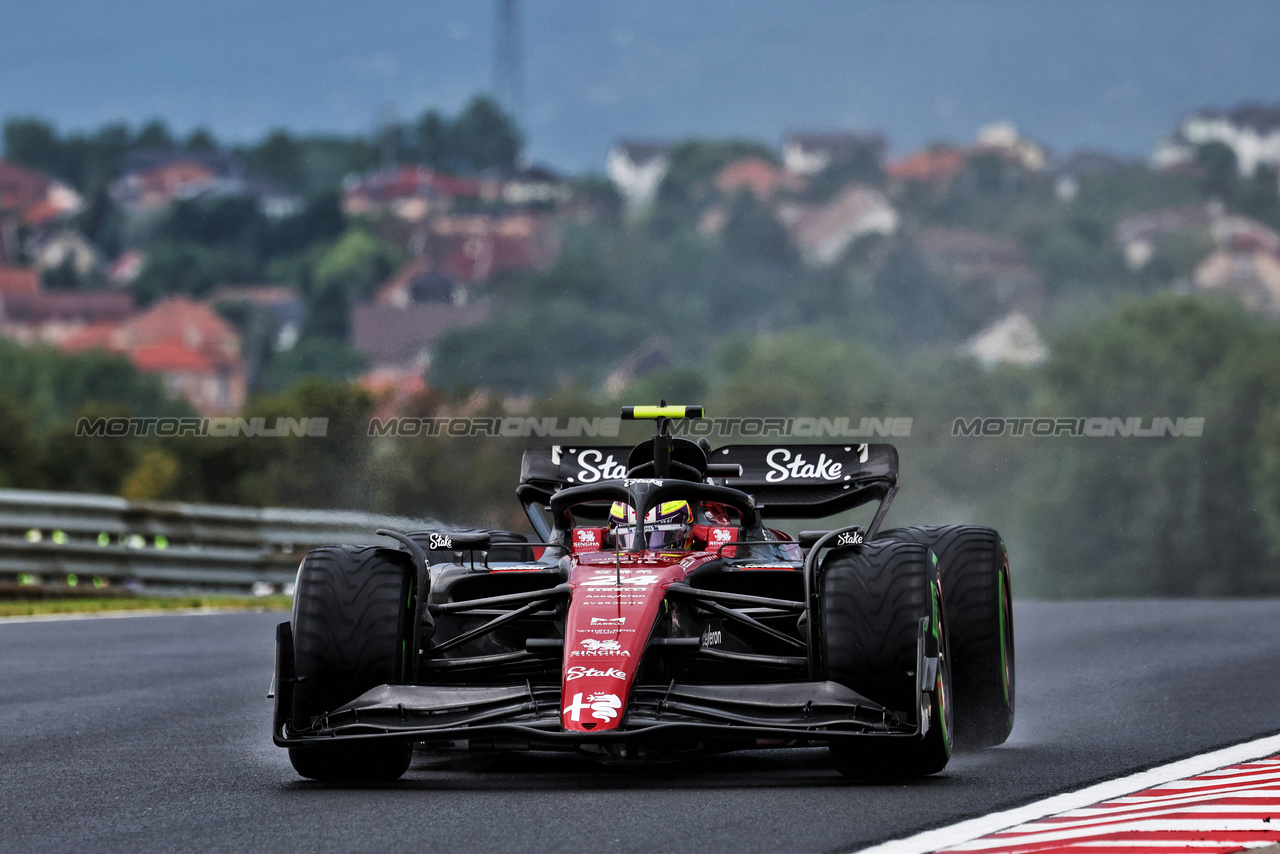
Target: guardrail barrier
55,539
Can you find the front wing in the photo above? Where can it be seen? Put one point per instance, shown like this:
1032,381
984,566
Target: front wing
768,714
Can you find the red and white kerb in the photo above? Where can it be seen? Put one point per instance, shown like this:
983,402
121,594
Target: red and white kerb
1230,809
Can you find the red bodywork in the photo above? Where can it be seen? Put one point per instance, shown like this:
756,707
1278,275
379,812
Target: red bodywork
614,605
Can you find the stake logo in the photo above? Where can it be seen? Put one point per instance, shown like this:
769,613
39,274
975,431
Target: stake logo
597,467
849,538
603,707
783,467
578,671
441,541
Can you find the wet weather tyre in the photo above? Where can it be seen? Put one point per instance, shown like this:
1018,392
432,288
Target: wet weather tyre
350,624
977,593
874,600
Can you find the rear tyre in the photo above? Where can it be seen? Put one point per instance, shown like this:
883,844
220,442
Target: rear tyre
351,618
874,598
977,594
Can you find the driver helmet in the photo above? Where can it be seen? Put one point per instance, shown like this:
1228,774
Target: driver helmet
667,526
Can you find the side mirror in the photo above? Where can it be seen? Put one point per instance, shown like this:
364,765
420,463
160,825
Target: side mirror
808,539
851,536
459,541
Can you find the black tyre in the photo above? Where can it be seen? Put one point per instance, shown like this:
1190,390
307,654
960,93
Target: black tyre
874,598
351,620
977,593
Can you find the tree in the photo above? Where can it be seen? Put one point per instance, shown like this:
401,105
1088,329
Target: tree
35,143
193,269
358,263
430,139
1168,516
861,165
200,141
326,358
1259,196
154,136
753,233
279,158
222,221
483,137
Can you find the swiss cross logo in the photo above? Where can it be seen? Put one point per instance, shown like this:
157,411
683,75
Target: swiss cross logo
603,707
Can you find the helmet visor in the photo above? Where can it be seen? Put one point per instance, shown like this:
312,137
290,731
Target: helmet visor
658,534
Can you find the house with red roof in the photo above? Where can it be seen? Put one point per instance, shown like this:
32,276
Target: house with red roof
823,233
991,272
18,281
756,175
477,248
934,167
408,192
54,317
30,198
152,180
196,352
35,196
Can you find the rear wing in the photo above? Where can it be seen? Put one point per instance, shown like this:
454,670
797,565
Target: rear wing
811,481
786,481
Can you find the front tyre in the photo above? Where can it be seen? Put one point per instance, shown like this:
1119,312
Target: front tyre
875,598
351,620
977,594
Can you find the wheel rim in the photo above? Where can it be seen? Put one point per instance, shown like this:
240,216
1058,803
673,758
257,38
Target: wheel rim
1006,635
944,670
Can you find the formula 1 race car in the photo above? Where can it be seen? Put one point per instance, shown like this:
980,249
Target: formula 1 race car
655,618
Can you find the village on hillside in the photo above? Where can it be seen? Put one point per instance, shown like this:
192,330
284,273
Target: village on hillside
224,280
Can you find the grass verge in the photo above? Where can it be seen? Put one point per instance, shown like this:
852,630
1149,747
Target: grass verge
142,603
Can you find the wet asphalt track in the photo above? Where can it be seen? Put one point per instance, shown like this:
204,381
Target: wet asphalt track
152,734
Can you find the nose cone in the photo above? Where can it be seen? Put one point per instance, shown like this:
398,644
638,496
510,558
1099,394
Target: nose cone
611,615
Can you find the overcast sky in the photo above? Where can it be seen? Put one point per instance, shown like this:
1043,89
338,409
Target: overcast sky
1108,74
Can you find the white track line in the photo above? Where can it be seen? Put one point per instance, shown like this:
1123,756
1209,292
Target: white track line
151,612
966,831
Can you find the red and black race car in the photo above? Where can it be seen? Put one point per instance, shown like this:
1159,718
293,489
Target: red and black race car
656,617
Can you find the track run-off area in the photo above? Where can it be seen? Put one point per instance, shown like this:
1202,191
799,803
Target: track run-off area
152,733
